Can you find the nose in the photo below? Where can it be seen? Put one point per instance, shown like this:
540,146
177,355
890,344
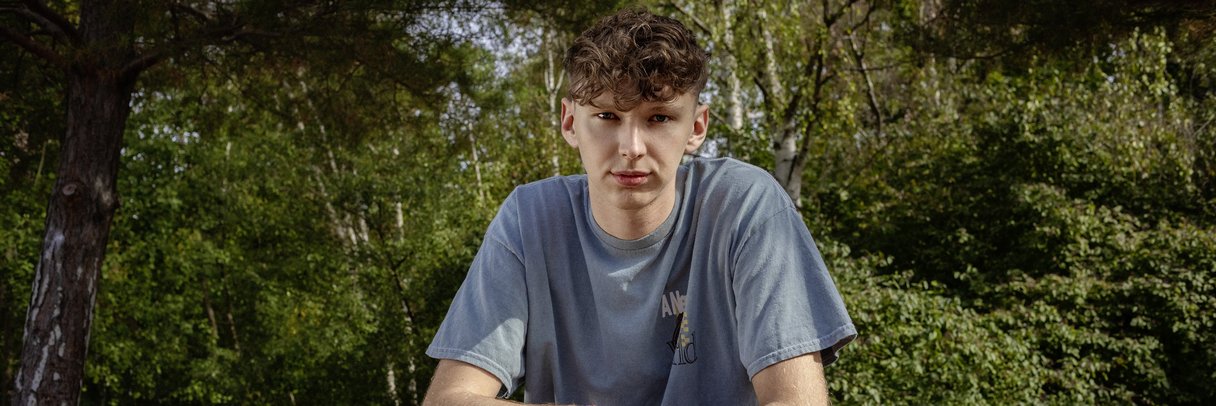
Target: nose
630,143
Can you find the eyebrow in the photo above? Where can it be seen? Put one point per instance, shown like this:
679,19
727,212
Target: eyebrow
668,110
665,108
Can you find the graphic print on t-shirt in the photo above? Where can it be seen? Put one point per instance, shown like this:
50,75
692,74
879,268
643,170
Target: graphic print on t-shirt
682,344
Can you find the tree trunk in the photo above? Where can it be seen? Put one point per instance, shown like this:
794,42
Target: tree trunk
215,325
6,370
734,86
553,84
81,206
390,377
481,194
786,169
79,215
236,339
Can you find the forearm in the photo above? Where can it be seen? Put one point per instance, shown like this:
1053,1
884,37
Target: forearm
458,398
460,384
464,399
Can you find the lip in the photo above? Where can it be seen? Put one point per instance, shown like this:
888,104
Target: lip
630,178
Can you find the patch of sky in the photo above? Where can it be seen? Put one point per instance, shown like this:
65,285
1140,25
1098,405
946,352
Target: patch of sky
485,26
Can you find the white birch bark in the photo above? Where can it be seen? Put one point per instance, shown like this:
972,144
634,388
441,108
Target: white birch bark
730,65
554,78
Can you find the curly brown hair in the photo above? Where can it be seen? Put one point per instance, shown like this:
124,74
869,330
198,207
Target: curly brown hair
638,56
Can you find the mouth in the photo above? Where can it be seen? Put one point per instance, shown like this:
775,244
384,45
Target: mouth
630,178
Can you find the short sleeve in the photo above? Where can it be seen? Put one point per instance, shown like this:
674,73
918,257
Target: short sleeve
487,321
786,304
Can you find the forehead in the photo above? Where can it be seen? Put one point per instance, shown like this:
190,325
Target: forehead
607,101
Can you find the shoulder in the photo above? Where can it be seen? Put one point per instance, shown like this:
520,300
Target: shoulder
727,167
550,202
545,193
734,183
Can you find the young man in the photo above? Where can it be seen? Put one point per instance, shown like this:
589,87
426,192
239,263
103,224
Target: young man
644,281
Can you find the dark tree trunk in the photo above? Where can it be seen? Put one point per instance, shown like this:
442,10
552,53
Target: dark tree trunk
80,211
78,222
6,369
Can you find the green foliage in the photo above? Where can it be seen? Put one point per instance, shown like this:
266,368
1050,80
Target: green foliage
245,276
1019,30
1065,208
921,346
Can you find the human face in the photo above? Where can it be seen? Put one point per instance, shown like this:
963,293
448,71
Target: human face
631,157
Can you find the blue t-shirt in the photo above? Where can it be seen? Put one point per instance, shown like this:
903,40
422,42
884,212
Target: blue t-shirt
729,284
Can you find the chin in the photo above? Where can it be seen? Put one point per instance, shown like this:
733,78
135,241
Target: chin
634,200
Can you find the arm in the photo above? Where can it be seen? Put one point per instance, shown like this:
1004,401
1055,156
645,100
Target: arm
459,383
795,381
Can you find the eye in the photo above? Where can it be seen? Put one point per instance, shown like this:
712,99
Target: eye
606,116
660,118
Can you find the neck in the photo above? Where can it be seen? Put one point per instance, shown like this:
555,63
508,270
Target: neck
632,224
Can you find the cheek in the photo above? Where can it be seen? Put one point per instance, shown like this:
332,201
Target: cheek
676,140
597,141
593,153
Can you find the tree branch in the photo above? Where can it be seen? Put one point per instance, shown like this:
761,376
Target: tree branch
199,14
766,98
24,41
203,36
143,62
40,20
871,96
865,19
696,21
61,24
210,30
874,68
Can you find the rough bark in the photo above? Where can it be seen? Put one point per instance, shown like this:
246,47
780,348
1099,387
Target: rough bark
79,216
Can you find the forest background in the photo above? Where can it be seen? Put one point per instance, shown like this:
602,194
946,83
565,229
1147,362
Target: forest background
1015,198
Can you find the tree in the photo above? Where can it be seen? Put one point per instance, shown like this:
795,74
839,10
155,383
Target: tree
102,48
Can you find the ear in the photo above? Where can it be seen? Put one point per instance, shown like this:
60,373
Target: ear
700,126
568,122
